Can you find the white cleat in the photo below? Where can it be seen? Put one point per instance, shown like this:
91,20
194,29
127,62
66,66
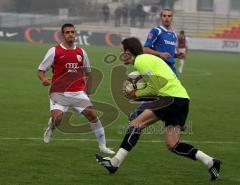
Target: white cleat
47,135
106,150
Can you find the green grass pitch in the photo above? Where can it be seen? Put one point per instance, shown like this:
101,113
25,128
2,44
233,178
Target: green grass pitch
212,80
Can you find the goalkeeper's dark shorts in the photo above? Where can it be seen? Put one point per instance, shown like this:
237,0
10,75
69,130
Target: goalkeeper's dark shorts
175,113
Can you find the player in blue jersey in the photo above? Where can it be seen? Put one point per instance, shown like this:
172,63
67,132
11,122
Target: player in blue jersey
161,42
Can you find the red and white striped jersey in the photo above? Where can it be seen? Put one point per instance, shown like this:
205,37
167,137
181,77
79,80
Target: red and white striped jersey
68,66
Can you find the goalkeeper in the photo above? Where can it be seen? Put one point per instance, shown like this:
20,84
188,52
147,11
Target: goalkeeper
172,108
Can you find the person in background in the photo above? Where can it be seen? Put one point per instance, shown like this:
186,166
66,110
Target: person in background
105,12
182,49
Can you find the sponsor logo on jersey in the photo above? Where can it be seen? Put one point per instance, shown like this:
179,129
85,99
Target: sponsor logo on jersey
79,58
72,67
170,42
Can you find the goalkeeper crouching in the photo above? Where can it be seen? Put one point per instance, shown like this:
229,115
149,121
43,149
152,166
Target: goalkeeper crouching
171,107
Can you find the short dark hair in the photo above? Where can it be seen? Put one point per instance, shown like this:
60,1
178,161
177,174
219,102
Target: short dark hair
182,32
166,9
66,25
133,45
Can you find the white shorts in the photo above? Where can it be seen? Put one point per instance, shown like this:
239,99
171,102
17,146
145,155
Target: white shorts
182,50
83,102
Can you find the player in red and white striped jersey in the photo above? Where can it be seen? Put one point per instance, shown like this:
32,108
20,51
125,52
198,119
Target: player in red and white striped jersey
181,49
70,84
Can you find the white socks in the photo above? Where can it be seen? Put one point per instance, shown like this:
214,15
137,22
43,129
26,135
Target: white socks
122,153
207,160
181,64
119,157
51,124
98,131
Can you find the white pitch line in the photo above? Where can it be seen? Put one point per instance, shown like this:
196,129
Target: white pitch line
196,72
118,140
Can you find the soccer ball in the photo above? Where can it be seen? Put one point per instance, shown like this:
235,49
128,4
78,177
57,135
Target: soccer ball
134,82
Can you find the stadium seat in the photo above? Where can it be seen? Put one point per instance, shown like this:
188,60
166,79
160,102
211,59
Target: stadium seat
227,33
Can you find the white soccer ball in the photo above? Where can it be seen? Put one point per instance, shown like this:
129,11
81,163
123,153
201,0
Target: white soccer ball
134,82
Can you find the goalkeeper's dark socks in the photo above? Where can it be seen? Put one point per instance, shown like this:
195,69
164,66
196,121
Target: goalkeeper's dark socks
185,150
189,151
128,143
131,138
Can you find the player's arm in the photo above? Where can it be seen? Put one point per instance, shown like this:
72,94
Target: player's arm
186,45
178,54
154,84
156,53
44,78
149,43
177,49
88,73
45,65
88,82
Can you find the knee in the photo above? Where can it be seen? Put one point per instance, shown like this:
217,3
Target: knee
57,118
90,114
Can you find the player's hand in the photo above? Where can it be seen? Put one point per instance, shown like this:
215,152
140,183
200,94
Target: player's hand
165,55
130,95
180,55
46,81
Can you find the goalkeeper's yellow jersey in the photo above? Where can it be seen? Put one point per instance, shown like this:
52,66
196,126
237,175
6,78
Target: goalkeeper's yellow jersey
160,79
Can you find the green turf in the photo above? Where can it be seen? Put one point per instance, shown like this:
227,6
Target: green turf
212,80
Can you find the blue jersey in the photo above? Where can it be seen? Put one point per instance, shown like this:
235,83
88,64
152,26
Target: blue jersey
162,40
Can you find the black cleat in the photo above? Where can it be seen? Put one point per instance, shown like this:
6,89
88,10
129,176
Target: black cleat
215,169
106,163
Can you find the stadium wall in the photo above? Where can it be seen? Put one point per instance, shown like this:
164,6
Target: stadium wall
40,35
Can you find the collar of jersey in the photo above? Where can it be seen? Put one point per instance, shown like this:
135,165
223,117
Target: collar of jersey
65,47
165,29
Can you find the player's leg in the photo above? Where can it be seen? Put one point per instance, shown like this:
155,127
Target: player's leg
171,134
85,107
182,60
137,111
181,65
55,119
175,118
133,133
184,149
131,137
172,66
97,128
